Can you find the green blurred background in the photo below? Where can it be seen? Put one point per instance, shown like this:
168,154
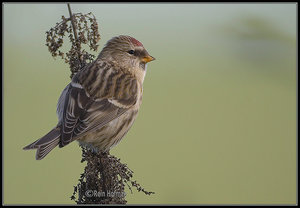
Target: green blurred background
218,119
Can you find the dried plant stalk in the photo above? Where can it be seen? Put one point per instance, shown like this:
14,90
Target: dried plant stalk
104,180
105,177
85,32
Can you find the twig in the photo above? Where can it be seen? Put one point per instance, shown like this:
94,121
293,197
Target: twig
72,21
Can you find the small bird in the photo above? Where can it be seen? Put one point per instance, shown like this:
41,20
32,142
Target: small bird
100,104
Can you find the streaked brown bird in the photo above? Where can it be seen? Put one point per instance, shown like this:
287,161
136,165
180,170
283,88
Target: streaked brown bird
101,103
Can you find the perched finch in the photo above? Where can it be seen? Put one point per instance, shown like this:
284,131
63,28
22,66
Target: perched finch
101,103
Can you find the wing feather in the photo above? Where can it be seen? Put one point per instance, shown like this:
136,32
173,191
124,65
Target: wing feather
80,113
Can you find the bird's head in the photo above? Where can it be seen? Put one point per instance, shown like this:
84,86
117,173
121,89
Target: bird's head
127,51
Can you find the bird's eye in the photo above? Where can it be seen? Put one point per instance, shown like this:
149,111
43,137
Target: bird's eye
131,52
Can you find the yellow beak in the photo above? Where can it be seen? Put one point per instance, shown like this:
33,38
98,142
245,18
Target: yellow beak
148,59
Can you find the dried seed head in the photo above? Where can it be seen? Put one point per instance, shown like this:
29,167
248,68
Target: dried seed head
87,32
104,173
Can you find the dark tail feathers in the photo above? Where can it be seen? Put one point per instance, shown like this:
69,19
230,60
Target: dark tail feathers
45,144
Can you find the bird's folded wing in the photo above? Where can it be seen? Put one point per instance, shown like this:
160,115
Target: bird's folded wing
83,114
97,95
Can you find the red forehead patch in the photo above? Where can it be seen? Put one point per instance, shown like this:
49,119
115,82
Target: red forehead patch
135,42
